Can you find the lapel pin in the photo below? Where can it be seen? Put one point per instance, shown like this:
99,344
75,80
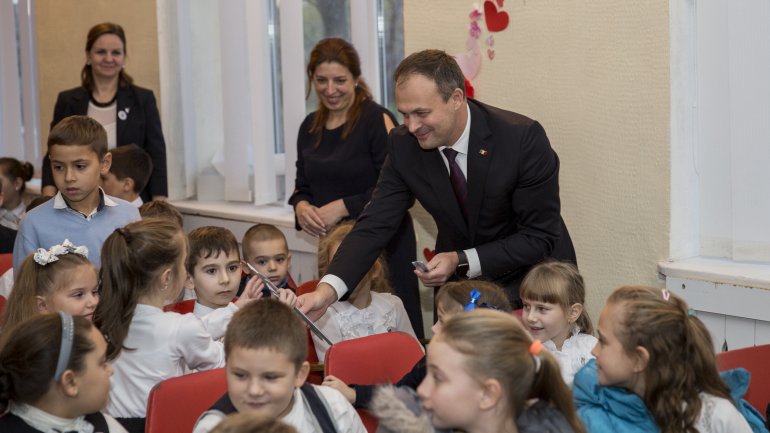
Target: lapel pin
122,115
483,152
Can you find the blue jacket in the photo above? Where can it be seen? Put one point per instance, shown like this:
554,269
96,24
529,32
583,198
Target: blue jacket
609,409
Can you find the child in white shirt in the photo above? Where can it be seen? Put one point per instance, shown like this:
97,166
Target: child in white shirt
553,294
370,309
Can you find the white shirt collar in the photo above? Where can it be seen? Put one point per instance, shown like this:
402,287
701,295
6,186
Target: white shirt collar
201,310
47,423
60,203
461,145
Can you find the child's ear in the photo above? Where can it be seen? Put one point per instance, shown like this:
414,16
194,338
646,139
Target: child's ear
42,306
642,359
189,282
128,184
492,393
302,374
575,310
288,259
106,164
69,384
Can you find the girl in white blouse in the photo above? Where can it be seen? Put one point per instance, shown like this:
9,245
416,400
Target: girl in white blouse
143,268
553,294
370,309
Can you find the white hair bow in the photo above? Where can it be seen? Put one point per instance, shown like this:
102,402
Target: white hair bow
43,257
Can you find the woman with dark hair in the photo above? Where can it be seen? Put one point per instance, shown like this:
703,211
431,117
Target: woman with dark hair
340,149
128,112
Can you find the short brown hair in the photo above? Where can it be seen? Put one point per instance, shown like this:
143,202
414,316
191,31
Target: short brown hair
132,161
209,241
436,65
80,131
268,324
261,233
459,292
162,209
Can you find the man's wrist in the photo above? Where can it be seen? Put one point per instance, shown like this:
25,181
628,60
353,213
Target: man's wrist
462,264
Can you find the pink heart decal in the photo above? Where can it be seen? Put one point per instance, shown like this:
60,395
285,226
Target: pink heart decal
469,63
490,41
491,53
496,20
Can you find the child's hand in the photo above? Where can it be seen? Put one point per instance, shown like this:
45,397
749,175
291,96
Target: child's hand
251,292
287,297
348,392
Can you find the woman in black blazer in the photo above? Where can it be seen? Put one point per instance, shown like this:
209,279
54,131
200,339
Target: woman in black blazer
129,113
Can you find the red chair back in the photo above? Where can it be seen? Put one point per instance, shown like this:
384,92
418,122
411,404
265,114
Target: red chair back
2,305
175,404
376,359
754,359
6,262
315,377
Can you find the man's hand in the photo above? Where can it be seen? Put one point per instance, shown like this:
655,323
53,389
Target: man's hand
315,303
442,266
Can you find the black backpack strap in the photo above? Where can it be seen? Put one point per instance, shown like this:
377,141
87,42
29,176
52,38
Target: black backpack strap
99,422
224,405
319,408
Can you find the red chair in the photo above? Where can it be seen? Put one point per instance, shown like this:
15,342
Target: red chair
175,404
754,359
376,359
316,375
2,305
6,262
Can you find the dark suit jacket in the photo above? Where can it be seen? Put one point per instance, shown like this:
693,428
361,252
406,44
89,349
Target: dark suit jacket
513,202
141,126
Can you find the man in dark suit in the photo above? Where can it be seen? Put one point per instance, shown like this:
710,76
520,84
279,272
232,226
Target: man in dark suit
495,225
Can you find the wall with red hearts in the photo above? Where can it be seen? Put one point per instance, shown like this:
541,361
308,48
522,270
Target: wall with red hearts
596,75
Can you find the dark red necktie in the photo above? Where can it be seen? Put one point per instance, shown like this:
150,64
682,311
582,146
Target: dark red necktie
457,178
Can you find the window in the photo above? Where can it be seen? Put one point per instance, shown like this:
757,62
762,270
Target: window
720,130
234,86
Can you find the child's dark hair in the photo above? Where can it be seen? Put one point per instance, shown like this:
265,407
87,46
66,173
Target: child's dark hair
496,346
14,169
559,283
268,324
79,131
32,280
132,161
209,241
456,294
30,353
261,233
133,257
377,275
161,209
681,362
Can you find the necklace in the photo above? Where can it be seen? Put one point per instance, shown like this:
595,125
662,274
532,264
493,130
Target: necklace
104,104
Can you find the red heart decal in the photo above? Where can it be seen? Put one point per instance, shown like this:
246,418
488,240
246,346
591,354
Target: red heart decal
429,254
496,20
499,3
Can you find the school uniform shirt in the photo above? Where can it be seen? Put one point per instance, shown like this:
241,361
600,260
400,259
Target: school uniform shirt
719,415
215,320
45,422
342,321
345,418
574,354
164,345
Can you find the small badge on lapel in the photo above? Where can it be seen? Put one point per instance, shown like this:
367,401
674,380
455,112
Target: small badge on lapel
123,114
483,152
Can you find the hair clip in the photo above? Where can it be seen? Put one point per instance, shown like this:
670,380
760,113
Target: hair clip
475,295
43,257
123,231
535,349
691,312
666,294
65,347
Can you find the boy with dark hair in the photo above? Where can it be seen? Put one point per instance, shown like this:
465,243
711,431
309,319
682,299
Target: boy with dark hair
129,173
266,353
161,209
80,211
265,248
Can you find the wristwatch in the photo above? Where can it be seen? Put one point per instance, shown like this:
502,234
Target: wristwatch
462,264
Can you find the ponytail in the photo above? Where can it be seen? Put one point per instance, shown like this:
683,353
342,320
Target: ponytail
133,257
496,346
